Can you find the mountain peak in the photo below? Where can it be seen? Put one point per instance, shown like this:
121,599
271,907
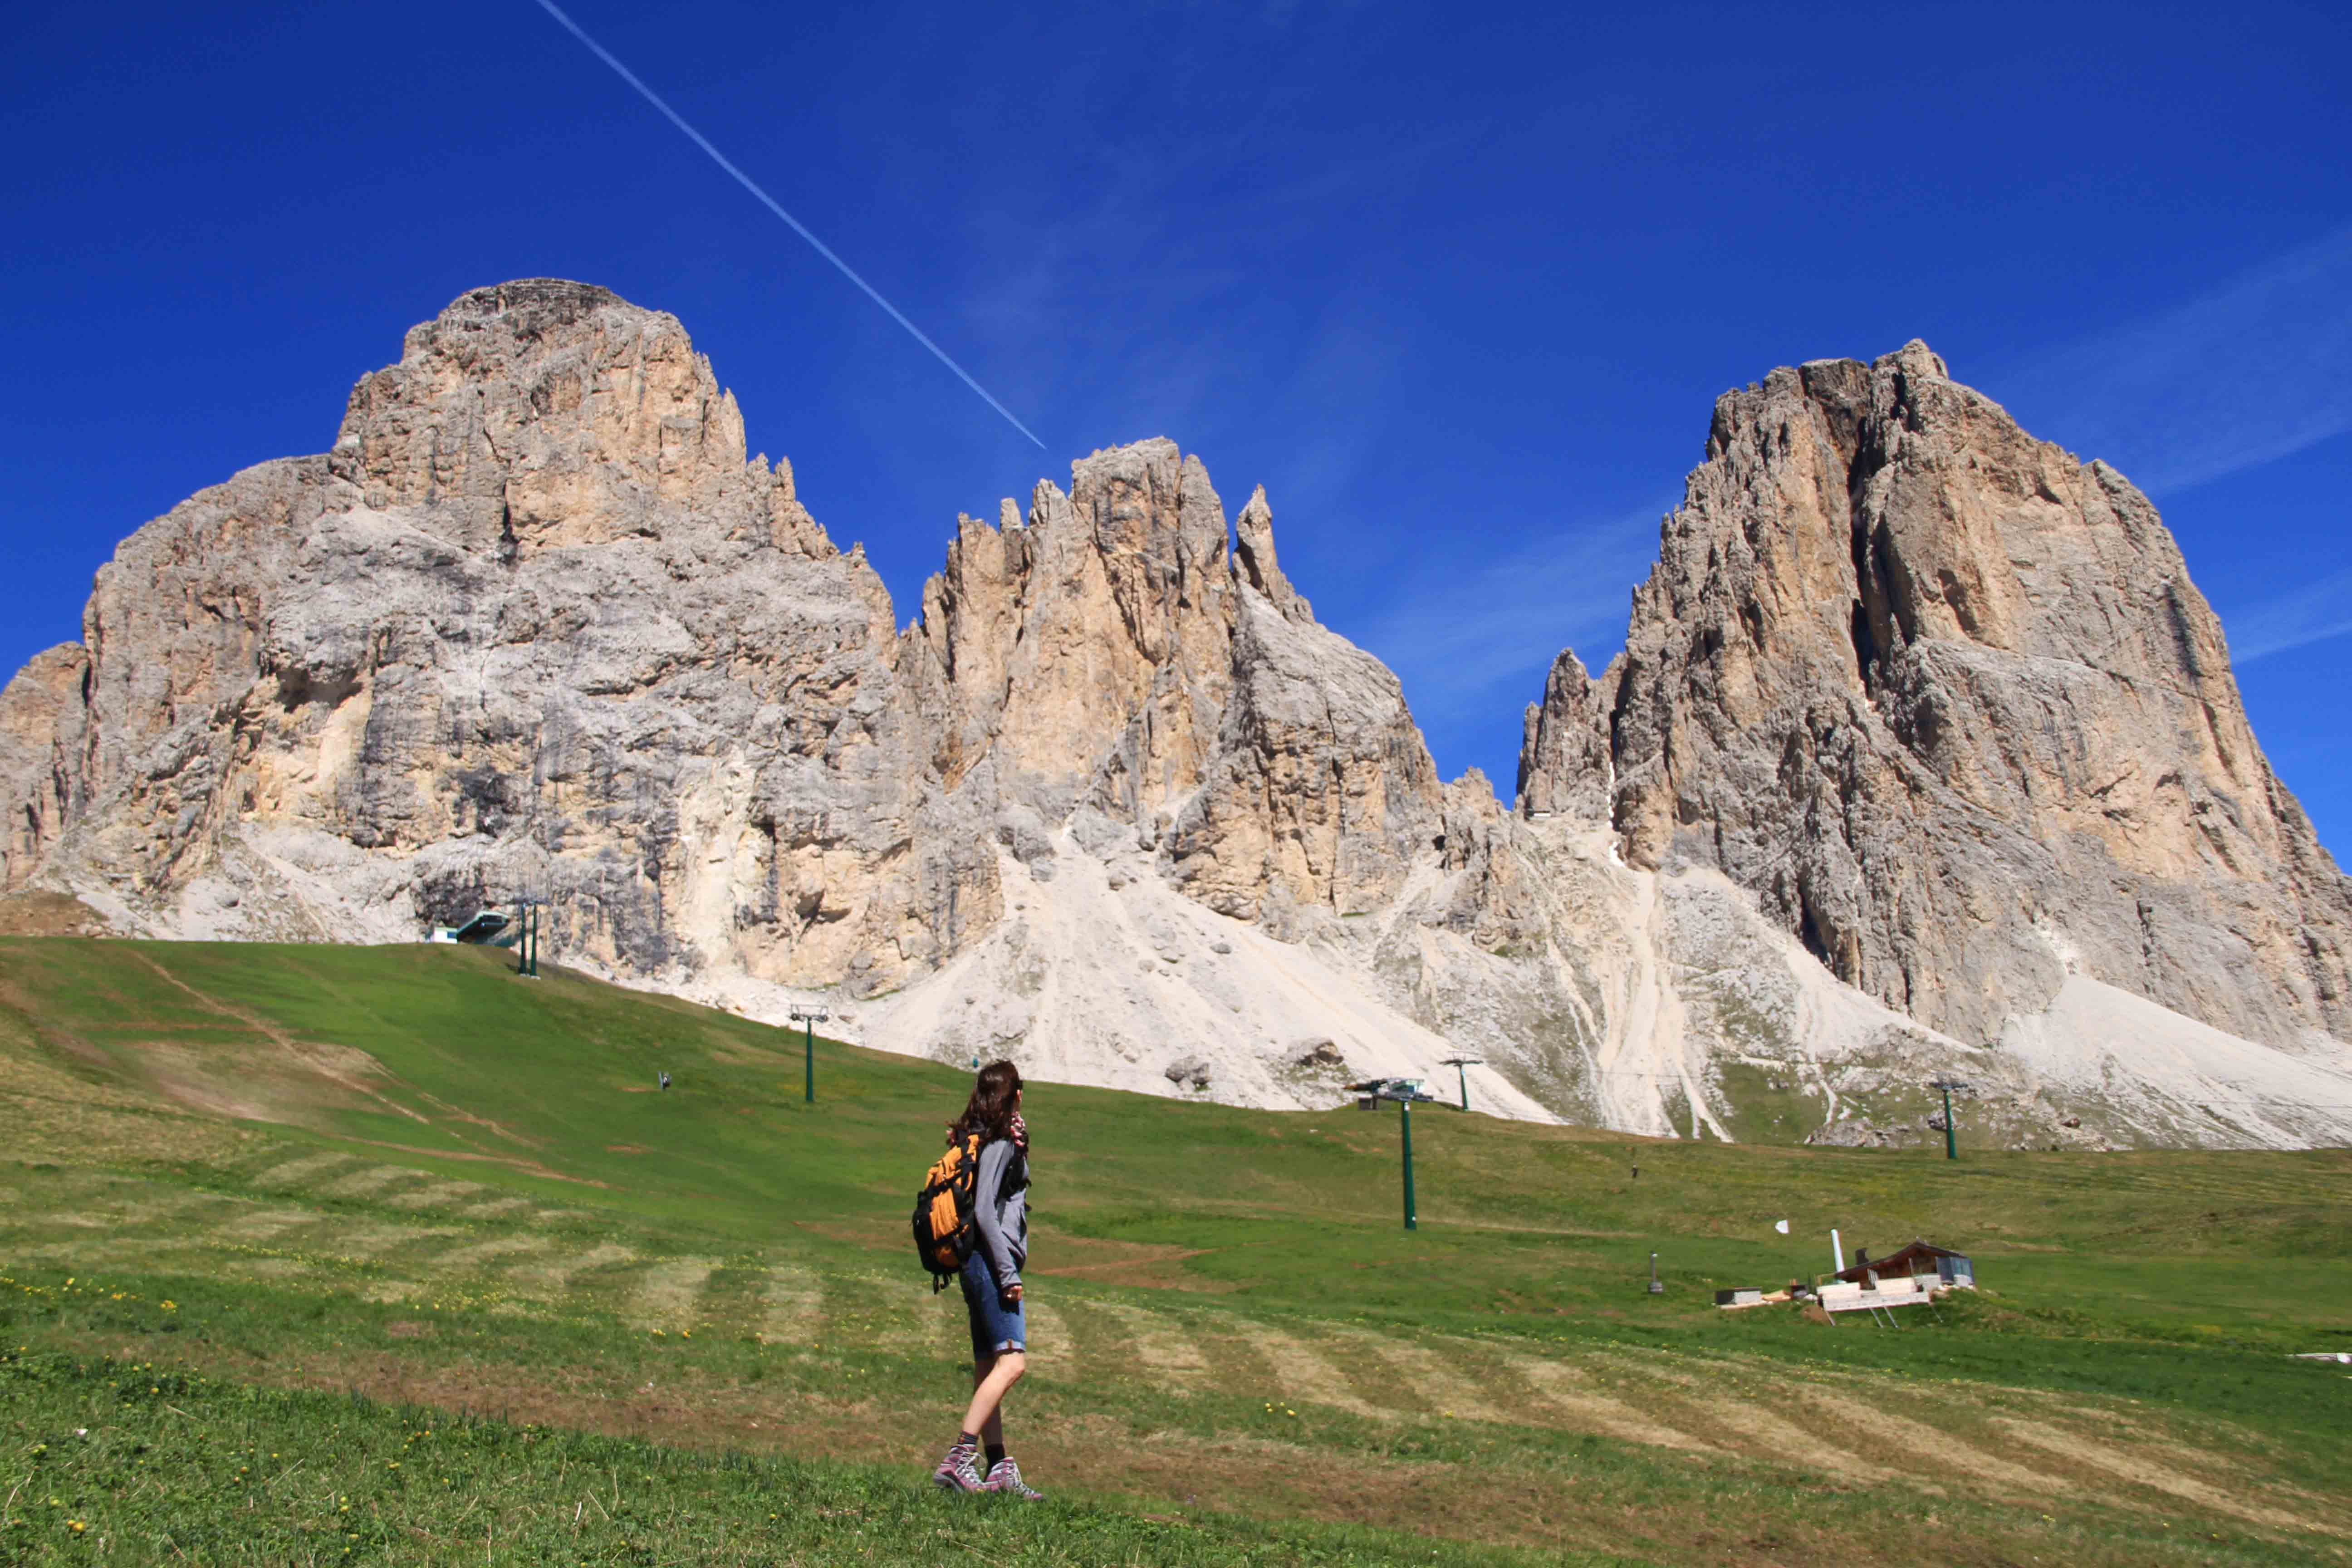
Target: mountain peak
1919,737
1946,701
524,297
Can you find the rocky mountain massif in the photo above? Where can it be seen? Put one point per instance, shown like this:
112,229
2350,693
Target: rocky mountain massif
1924,755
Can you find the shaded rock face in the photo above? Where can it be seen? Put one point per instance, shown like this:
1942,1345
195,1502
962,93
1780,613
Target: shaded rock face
1944,698
1564,752
42,726
1322,793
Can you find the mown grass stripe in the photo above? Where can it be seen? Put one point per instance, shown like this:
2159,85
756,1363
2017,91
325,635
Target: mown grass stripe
369,1181
264,1224
2138,1469
482,1254
1766,1435
1934,1451
377,1243
1301,1374
1429,1381
792,1306
1569,1396
441,1194
294,1172
1052,1356
564,1273
668,1294
1158,1346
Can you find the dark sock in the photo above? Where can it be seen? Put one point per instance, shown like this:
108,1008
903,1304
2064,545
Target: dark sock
967,1439
995,1455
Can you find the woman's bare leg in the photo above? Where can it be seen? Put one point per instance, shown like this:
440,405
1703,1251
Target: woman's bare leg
990,1385
993,1429
991,1433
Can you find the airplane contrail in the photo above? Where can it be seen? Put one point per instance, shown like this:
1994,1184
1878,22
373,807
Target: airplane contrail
744,180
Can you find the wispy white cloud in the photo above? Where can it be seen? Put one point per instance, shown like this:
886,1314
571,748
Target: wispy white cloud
2311,613
1457,637
2256,370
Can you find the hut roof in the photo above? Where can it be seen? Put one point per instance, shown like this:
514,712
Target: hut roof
1918,1258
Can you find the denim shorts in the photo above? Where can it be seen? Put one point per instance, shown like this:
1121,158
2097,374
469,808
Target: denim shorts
995,1327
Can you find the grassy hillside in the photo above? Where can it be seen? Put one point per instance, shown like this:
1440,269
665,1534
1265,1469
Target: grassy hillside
407,1172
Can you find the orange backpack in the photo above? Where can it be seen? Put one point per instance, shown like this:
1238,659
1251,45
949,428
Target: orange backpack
945,1230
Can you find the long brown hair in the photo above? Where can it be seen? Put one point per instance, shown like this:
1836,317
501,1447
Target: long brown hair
990,1110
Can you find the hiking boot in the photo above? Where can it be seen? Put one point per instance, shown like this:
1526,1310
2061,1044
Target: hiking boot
956,1472
1004,1476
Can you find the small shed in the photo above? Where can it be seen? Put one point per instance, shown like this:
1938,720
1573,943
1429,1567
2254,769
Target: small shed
1918,1260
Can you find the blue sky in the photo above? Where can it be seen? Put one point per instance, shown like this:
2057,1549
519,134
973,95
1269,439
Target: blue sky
1458,287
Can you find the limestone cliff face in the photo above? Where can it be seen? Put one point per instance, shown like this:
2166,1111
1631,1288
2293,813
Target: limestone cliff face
1909,696
535,627
42,726
1565,765
1944,698
1323,793
1087,651
1110,651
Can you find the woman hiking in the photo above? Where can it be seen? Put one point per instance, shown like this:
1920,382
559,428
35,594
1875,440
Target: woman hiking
991,1282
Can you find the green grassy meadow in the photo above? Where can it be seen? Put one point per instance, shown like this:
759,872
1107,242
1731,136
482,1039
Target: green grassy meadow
395,1190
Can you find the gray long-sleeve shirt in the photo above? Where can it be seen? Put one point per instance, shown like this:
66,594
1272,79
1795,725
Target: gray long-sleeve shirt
1002,1215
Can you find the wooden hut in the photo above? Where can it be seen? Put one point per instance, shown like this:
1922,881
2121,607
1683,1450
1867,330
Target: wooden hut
1918,1260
